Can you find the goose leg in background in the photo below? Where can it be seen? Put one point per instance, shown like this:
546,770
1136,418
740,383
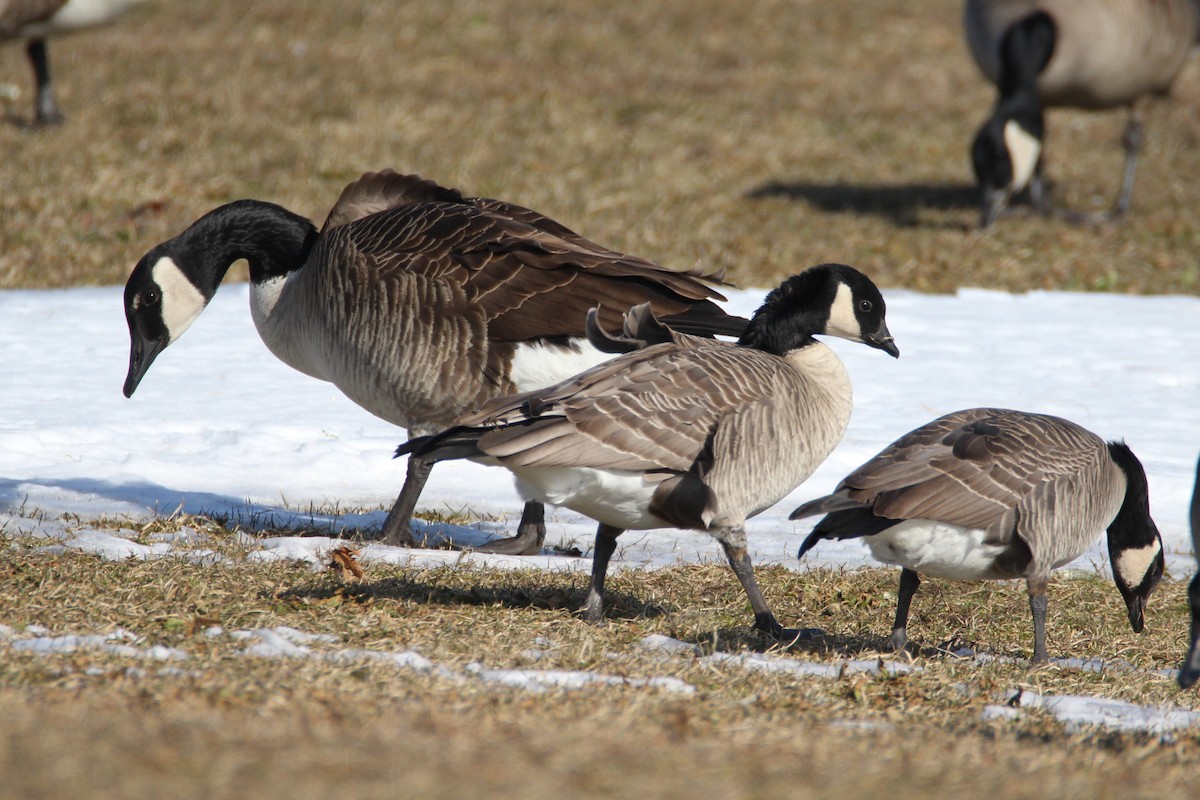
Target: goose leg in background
909,583
397,528
1189,671
606,545
1132,141
45,111
531,532
1037,605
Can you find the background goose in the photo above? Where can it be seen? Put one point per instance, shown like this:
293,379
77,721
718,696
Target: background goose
37,20
1190,671
989,493
1089,54
416,302
691,433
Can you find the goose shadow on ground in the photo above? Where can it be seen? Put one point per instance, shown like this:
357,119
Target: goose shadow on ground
568,598
141,498
900,203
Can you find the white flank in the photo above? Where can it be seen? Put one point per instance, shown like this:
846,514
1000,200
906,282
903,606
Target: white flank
614,497
79,15
842,321
182,302
536,366
937,549
1132,563
1024,149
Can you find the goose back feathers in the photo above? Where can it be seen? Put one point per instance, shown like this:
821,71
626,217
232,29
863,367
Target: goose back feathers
994,493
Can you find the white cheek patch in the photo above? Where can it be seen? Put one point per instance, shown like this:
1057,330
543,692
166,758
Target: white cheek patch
1132,564
1023,151
181,301
842,321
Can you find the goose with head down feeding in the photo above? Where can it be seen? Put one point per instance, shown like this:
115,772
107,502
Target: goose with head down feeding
990,493
417,302
689,433
1089,54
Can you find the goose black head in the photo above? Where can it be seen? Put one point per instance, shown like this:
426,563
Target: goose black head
1134,545
1007,150
831,299
176,279
161,302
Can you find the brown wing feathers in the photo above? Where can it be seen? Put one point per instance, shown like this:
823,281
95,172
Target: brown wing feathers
530,276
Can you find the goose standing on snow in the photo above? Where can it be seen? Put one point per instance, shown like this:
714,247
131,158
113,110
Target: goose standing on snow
690,433
989,493
37,20
1089,54
1190,671
416,302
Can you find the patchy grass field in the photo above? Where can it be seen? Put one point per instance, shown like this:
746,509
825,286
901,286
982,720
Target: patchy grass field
220,724
761,137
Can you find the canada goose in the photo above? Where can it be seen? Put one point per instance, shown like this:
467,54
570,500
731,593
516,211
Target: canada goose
989,493
1089,54
1190,671
416,302
38,20
690,433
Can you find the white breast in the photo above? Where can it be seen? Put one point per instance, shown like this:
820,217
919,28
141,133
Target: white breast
937,549
288,332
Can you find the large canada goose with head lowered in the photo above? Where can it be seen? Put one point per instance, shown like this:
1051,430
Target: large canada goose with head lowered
1190,671
1088,54
990,493
689,433
416,302
35,21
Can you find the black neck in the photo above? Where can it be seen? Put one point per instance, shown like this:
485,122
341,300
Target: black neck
1132,527
273,240
1025,50
792,312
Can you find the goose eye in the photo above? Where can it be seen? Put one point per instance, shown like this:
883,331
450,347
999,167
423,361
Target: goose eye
150,297
865,306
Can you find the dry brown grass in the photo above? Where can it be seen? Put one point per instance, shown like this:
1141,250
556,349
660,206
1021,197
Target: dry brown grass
221,725
761,137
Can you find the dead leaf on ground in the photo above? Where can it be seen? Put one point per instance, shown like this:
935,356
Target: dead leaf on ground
344,560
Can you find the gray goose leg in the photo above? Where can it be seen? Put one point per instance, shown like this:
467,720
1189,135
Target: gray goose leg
45,109
397,528
909,583
1131,140
1037,605
734,543
606,545
531,532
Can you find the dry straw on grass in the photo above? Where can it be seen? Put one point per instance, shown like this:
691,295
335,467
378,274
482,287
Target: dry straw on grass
761,137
